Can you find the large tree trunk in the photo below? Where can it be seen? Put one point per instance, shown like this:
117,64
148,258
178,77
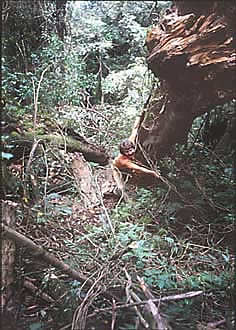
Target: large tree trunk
194,58
60,18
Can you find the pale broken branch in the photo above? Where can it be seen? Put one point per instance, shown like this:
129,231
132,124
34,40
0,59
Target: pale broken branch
175,297
159,320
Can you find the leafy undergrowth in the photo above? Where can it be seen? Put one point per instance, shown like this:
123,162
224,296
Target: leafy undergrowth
176,235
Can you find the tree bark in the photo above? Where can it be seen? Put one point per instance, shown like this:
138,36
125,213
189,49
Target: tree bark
194,58
85,181
60,18
8,260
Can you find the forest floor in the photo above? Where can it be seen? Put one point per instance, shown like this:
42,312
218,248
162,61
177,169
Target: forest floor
83,238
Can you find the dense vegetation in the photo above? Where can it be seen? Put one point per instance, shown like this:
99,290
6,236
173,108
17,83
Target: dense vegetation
82,67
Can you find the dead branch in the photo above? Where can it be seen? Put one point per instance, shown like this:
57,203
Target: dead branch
39,253
36,96
213,325
113,314
132,298
8,248
187,295
159,320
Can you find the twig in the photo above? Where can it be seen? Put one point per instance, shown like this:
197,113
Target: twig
128,286
141,318
36,96
46,179
113,314
214,205
170,185
31,155
80,314
215,324
187,295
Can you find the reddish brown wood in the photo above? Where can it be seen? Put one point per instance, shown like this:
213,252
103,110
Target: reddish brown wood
192,52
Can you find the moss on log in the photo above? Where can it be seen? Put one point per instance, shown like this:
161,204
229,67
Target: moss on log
91,152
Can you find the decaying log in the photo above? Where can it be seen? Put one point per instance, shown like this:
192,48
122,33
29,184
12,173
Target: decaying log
192,52
90,190
85,181
91,152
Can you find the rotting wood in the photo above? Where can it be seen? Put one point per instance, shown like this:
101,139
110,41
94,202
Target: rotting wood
91,152
89,189
85,181
192,52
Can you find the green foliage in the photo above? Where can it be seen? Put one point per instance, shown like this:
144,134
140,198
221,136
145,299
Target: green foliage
16,88
66,78
62,83
128,86
170,235
118,43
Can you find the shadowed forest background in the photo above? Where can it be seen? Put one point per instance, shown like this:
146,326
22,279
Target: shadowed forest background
76,254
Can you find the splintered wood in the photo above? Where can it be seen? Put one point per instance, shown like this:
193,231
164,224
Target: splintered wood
192,53
85,181
189,41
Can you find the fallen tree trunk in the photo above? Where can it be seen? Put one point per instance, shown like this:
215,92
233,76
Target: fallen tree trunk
91,152
194,58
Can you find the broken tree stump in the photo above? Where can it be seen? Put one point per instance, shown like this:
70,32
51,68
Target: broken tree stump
192,53
85,181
